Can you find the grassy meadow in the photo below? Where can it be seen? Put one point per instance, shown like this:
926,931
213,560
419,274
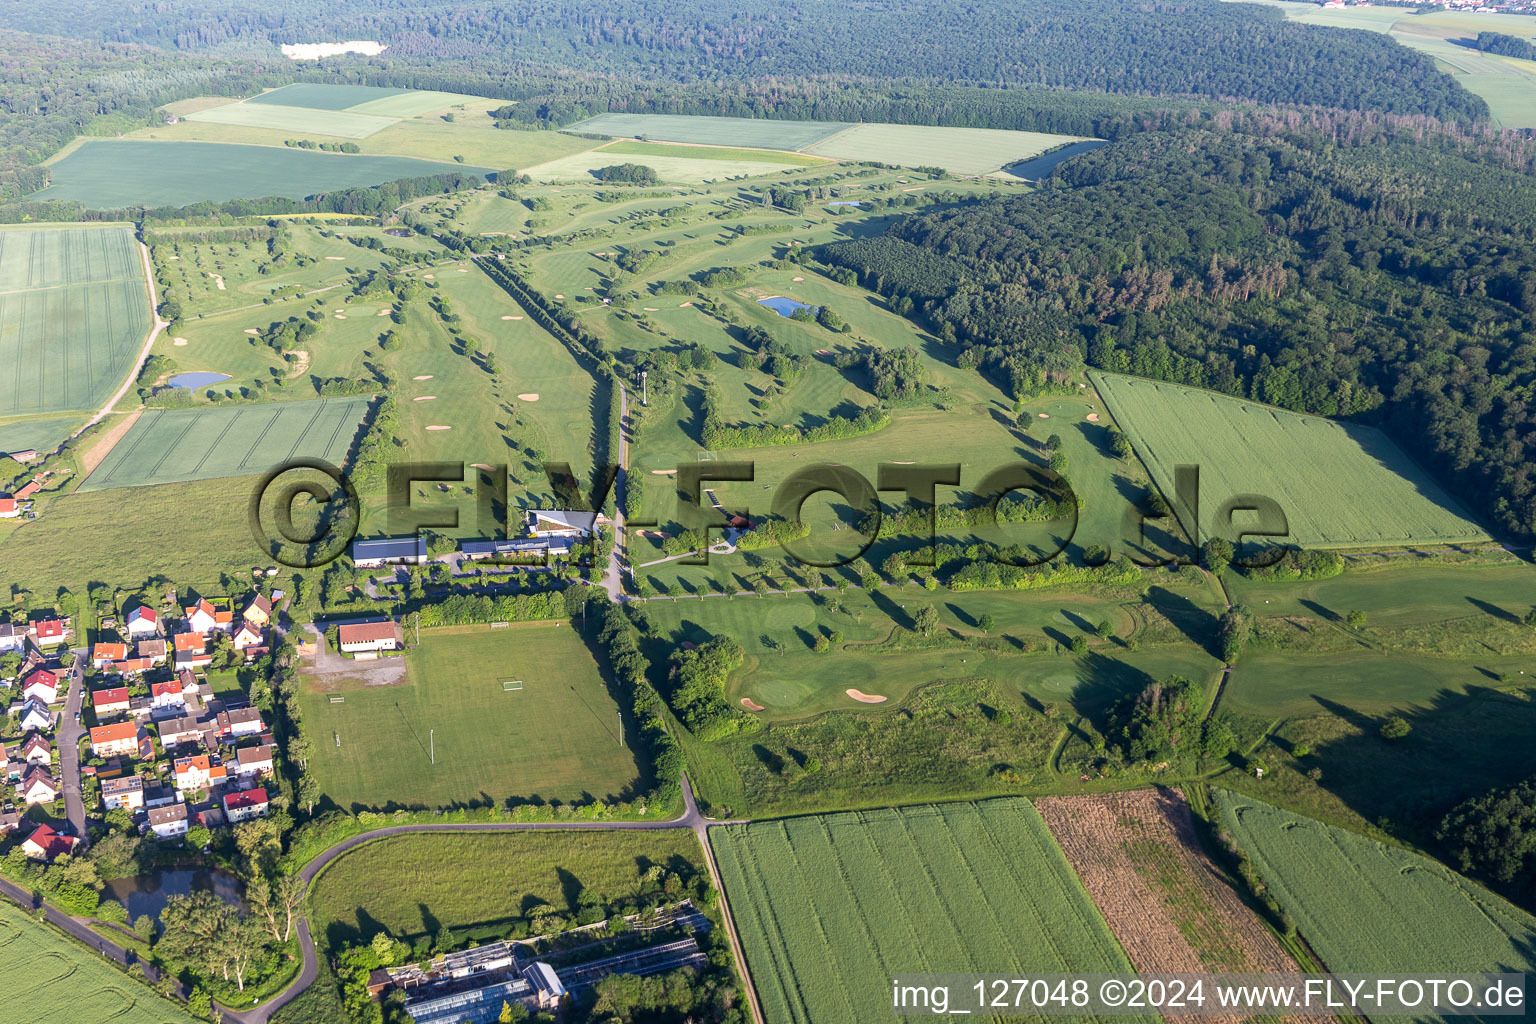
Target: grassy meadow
39,963
957,150
829,907
557,739
744,132
178,445
341,124
1365,906
74,312
1339,485
412,886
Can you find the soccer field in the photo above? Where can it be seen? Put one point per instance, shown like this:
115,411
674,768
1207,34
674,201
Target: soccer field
555,738
74,311
1339,485
174,445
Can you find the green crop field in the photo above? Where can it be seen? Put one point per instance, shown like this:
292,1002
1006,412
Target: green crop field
829,907
558,738
746,132
682,166
712,153
413,885
1368,907
957,150
105,174
326,97
308,120
74,312
40,966
175,445
37,434
1339,485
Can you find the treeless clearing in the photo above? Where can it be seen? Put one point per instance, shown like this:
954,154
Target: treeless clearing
1140,859
105,443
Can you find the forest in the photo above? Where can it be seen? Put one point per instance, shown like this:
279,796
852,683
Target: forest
1202,47
1349,265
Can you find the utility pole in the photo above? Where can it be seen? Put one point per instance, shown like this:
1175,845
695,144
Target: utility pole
432,744
645,391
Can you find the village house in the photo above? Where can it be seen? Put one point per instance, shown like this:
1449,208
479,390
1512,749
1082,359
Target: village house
253,761
10,821
111,740
12,640
46,844
198,772
9,509
240,722
38,786
183,730
130,667
159,796
103,655
36,716
166,694
35,749
200,618
369,638
48,633
247,636
192,651
143,621
41,685
257,612
126,793
369,554
245,805
110,702
169,821
152,651
209,817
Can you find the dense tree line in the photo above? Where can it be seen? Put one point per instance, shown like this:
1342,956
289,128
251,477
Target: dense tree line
1505,45
1342,264
1495,835
1201,47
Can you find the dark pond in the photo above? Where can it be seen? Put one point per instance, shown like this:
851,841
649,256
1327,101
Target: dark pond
146,894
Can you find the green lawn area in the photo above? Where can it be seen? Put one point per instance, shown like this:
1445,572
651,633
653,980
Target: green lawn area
829,907
556,739
74,313
39,963
412,886
37,433
957,150
746,132
711,153
317,96
683,166
122,172
1339,485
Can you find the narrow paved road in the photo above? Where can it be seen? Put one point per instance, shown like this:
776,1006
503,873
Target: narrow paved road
614,578
68,742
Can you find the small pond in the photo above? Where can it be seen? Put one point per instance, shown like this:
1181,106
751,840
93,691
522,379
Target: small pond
847,202
147,894
199,379
1040,166
785,307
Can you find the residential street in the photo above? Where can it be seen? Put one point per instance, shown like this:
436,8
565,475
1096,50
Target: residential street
67,741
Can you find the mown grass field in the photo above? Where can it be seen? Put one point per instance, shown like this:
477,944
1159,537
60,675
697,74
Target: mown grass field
682,167
343,124
957,150
1339,485
40,965
558,738
788,159
316,96
74,311
105,174
745,132
1368,907
177,445
829,907
413,885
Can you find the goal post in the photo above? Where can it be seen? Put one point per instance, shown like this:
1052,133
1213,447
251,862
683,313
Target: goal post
507,685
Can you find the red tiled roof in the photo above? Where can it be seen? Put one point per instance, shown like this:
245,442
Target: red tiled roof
50,842
7,505
366,632
249,798
143,612
115,695
160,689
114,733
49,627
189,642
109,652
31,488
41,675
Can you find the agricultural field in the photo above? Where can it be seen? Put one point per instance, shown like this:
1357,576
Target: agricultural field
1364,906
40,963
744,132
412,886
1339,485
829,907
316,96
558,738
125,172
38,434
1139,856
788,159
681,166
957,150
177,445
343,124
74,313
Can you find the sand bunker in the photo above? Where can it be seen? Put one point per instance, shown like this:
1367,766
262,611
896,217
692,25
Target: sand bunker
178,341
385,312
650,309
906,463
507,318
685,305
438,426
823,351
341,316
1093,417
663,472
559,296
425,376
252,331
429,277
1045,415
335,257
752,705
480,465
530,397
173,257
865,698
424,398
218,280
799,279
